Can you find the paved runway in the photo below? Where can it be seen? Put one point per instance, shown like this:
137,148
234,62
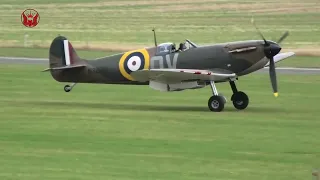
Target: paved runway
285,70
20,60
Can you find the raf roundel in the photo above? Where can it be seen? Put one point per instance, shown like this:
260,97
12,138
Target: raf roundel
133,61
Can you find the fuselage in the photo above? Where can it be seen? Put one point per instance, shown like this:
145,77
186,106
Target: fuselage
241,58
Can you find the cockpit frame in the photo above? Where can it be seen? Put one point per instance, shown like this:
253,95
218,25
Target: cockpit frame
169,47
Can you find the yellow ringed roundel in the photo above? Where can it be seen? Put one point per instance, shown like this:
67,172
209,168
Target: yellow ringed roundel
133,61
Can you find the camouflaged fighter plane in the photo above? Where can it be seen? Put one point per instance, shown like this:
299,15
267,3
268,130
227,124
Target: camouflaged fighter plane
166,68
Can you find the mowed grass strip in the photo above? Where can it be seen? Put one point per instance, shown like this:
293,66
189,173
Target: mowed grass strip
134,132
115,23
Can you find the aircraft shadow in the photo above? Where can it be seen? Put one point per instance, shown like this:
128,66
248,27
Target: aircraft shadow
146,107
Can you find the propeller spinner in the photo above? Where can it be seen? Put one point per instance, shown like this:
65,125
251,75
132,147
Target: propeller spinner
270,50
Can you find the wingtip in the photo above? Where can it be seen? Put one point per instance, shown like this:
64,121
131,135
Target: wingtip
276,94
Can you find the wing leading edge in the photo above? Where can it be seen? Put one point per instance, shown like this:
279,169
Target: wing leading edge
281,56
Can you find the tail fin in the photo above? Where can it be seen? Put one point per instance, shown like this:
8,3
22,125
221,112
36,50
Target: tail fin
64,63
62,55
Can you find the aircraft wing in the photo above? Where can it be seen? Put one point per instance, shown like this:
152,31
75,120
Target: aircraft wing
280,57
179,75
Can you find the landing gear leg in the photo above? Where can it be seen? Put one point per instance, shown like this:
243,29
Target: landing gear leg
68,88
239,99
216,102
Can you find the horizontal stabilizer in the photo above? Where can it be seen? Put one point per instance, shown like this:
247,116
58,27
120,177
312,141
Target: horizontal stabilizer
65,67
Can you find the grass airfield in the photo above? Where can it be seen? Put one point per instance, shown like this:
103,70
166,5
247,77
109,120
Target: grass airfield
127,24
133,132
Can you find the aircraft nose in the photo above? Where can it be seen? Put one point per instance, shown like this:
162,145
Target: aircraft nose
272,50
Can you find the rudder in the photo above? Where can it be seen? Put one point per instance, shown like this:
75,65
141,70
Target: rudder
62,53
64,63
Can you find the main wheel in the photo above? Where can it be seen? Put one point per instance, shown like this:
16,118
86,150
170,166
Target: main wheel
223,97
216,103
240,100
67,88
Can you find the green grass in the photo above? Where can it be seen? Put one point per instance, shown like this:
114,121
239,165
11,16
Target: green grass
134,132
130,22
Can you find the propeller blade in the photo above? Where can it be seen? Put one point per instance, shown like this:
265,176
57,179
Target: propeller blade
283,37
271,50
273,77
261,35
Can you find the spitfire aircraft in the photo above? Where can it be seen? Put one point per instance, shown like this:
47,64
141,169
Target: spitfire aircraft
165,68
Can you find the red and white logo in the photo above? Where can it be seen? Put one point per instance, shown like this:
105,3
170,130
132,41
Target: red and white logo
30,18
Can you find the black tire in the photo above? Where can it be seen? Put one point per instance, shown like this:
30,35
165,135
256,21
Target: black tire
223,97
240,100
216,103
67,88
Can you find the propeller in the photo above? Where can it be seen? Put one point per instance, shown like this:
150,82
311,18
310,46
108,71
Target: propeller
270,50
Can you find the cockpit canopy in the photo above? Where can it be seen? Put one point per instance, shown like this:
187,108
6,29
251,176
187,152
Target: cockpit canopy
166,48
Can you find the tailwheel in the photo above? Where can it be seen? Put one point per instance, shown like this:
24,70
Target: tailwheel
67,88
240,100
216,103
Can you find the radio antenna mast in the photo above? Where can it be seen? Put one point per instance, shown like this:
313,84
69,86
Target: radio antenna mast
155,38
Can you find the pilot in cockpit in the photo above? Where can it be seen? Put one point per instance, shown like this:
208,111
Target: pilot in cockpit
182,47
